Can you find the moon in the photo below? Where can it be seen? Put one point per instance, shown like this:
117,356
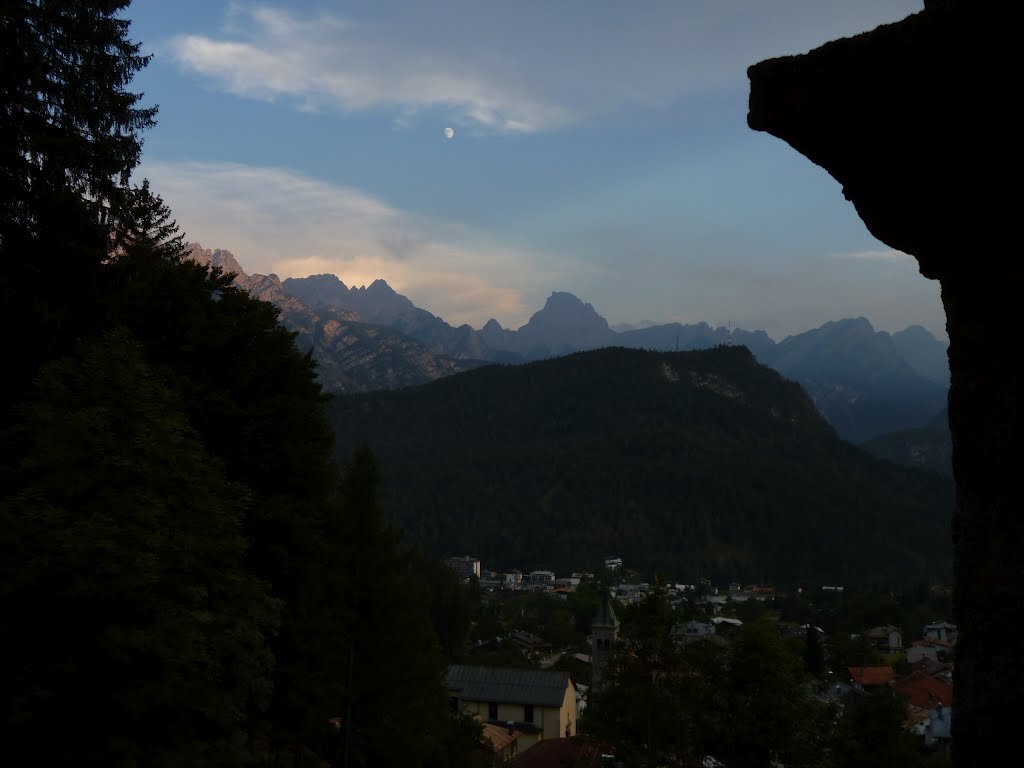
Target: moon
449,133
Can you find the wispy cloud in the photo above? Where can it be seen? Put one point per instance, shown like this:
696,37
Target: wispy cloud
508,67
887,255
278,221
326,61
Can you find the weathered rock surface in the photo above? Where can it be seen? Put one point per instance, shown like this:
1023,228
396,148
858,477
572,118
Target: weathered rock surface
914,120
351,356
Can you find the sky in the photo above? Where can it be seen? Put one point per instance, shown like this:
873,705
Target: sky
479,155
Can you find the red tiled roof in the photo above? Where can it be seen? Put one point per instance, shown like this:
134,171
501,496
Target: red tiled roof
499,736
871,675
924,691
929,666
555,753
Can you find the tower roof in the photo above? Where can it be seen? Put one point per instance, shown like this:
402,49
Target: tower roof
605,616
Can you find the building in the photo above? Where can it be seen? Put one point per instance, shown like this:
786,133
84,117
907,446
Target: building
920,650
942,631
693,628
613,564
539,703
542,577
887,639
604,633
464,567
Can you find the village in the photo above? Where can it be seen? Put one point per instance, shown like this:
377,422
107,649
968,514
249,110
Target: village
528,679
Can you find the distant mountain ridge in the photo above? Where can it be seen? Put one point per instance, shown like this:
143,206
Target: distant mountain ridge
865,382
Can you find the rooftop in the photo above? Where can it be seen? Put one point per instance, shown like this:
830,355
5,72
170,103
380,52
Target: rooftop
506,685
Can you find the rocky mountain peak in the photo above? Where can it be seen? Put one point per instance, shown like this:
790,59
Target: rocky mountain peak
380,287
215,258
567,324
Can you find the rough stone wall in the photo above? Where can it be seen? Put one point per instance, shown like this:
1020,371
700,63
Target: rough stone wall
914,120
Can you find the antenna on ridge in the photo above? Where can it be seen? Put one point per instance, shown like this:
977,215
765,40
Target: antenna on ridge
728,339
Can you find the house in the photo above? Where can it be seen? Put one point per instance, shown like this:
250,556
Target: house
539,703
920,650
542,577
942,631
887,639
868,678
943,648
693,628
529,643
940,728
464,567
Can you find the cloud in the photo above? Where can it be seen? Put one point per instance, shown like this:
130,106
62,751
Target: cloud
325,61
277,221
889,255
517,67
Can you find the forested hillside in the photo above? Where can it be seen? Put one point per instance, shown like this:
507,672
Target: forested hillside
696,463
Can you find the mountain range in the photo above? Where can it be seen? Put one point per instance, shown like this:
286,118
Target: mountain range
864,382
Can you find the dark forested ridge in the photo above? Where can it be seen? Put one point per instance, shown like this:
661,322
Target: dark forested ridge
697,463
929,447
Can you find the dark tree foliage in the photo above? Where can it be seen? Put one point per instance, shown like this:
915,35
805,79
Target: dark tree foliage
814,652
873,733
745,701
69,138
67,118
143,227
448,600
132,628
178,582
385,642
745,704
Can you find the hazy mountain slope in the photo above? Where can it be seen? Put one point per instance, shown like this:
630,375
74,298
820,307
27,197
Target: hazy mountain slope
692,462
924,353
858,379
929,447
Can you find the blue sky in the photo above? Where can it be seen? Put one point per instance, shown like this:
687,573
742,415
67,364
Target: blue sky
599,148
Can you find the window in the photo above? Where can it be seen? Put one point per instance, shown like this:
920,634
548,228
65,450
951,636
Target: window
528,713
492,710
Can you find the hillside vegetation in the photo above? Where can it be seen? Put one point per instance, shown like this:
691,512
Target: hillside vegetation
694,463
